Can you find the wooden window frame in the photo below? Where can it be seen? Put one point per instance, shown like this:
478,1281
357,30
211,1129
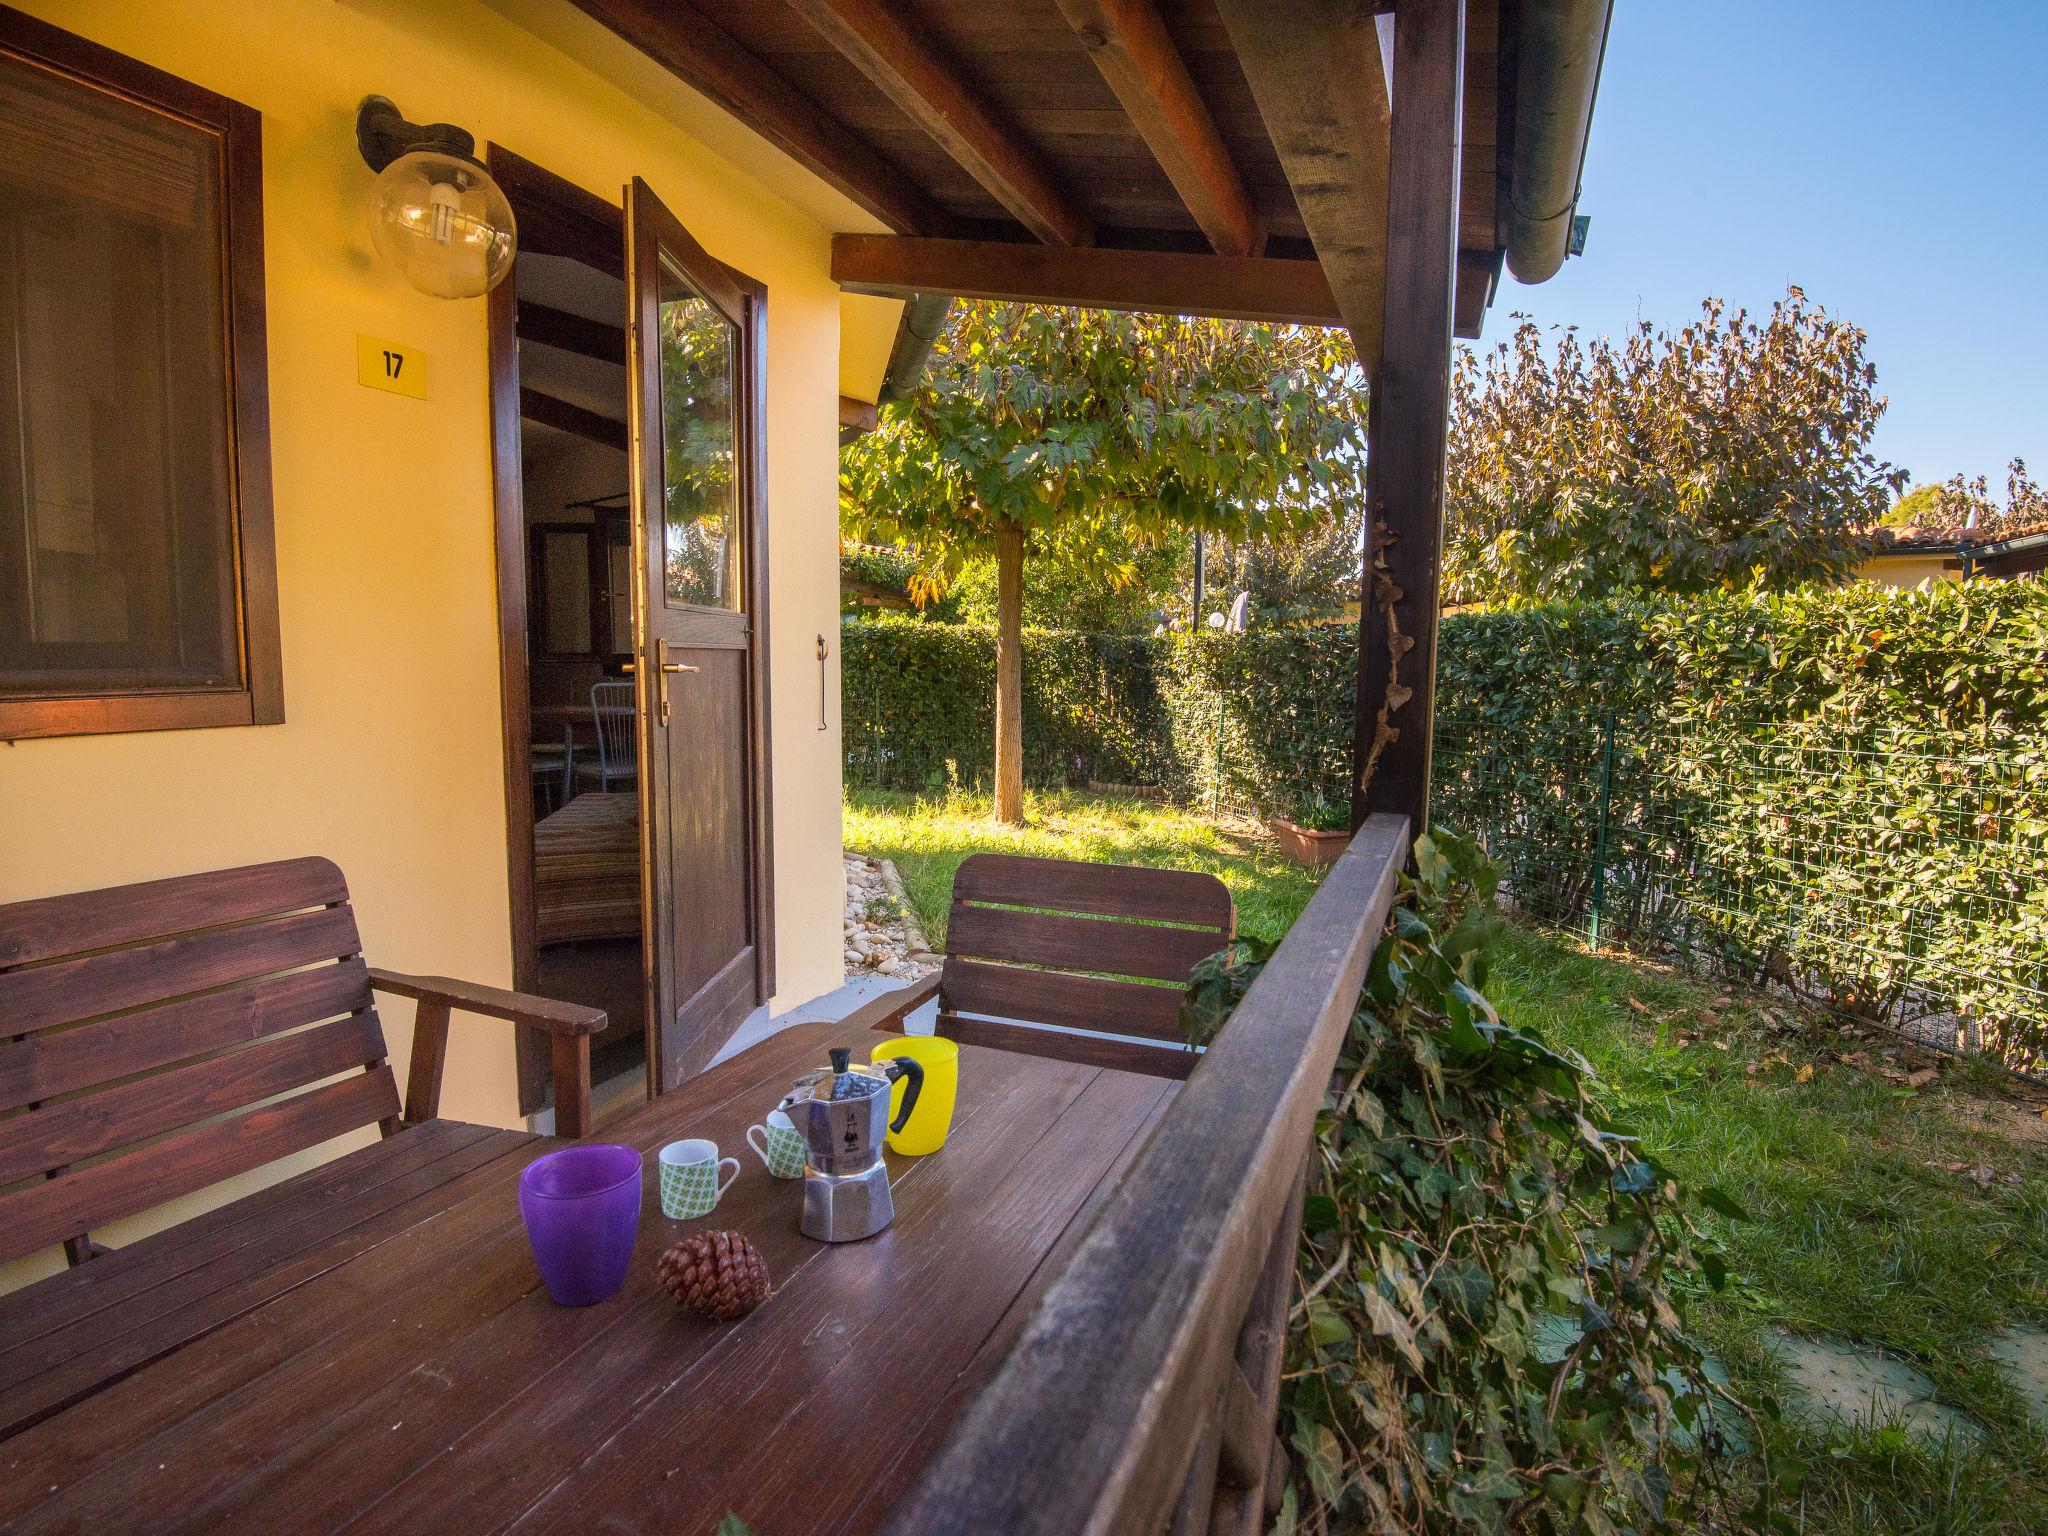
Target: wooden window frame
238,130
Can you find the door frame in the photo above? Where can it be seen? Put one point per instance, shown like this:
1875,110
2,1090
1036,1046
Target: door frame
557,217
743,301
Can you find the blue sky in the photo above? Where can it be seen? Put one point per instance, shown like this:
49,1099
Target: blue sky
1890,159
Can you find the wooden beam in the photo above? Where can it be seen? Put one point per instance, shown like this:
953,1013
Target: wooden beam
553,327
1168,282
1314,69
856,415
1409,418
1478,274
929,89
710,60
564,417
1132,49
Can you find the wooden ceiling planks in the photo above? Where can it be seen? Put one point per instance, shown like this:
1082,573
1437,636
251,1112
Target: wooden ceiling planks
705,56
999,122
937,93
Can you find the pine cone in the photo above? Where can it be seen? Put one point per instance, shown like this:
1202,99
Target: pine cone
718,1275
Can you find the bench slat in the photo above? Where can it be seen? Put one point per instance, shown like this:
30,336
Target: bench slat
43,1066
1107,890
67,991
1055,997
1089,1050
1078,943
75,1201
53,926
100,1122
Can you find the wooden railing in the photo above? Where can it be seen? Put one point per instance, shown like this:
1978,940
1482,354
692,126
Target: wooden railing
1141,1395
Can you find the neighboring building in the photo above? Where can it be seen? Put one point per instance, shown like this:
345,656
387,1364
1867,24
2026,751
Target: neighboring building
1906,557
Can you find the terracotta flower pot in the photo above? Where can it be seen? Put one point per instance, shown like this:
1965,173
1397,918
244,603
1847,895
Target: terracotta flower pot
1306,846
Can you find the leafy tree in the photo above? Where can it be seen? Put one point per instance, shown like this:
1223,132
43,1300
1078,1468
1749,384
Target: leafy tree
1957,505
1059,595
1729,454
1298,580
1082,437
1913,509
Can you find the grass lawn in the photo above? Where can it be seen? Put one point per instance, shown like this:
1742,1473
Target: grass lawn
1911,1219
928,836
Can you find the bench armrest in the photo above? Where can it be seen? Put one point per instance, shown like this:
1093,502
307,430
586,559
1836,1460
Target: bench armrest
569,1027
886,1010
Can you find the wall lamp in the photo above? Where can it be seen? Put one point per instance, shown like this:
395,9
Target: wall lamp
435,213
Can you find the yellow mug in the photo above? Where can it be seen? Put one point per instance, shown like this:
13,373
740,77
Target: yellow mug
925,1130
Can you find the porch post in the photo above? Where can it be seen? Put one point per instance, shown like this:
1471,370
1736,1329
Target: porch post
1410,412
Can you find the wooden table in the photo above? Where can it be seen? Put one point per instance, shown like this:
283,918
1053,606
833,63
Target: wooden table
586,869
368,1347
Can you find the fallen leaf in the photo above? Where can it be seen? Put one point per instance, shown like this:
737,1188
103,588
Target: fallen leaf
1921,1078
1804,1074
1639,1005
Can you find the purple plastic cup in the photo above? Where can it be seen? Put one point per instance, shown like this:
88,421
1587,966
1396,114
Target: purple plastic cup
582,1210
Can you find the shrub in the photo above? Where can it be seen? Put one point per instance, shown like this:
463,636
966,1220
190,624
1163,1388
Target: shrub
1841,789
1492,1334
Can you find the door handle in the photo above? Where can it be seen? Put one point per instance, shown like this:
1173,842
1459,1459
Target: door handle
661,681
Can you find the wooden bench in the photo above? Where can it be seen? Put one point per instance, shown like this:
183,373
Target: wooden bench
1059,958
158,1038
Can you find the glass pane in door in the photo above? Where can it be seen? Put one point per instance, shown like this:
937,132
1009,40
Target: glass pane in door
701,526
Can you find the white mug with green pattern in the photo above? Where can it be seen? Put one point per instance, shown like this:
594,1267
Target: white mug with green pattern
779,1144
693,1176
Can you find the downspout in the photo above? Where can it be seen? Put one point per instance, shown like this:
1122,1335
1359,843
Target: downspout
1557,72
923,322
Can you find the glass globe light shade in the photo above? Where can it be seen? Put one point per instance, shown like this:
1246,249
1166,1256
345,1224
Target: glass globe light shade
442,222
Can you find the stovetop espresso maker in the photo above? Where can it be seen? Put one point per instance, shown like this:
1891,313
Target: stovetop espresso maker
842,1112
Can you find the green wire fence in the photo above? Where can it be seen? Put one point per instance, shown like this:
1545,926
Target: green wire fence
1901,885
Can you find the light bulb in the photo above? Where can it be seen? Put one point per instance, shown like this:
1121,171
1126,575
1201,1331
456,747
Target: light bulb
442,221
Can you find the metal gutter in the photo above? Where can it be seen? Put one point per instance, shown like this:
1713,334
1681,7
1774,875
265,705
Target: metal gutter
1560,46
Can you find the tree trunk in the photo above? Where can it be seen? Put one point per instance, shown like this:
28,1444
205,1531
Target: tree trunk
1010,673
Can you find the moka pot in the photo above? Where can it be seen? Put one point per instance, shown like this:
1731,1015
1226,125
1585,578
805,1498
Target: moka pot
842,1112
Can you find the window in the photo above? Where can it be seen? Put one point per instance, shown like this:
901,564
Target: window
137,580
701,523
580,594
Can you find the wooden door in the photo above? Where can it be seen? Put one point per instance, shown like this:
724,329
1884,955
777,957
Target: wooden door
700,589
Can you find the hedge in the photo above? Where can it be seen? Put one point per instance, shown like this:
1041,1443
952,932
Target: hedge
1844,789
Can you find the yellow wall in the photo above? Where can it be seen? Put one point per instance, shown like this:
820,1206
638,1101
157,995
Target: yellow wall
1907,570
390,760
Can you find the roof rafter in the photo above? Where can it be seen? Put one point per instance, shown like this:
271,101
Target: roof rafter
1315,70
928,88
1138,59
1175,282
553,327
566,416
691,46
